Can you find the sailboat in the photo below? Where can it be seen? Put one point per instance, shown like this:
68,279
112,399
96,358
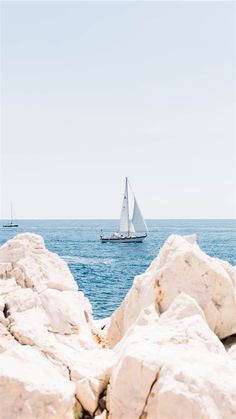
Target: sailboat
11,223
131,229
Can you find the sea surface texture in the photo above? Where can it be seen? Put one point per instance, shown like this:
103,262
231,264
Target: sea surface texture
105,272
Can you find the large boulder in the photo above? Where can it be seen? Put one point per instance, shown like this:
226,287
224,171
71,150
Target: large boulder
181,266
33,266
42,310
31,387
166,362
172,366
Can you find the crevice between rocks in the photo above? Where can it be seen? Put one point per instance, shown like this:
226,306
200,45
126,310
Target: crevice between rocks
119,328
6,311
143,413
79,411
14,337
81,415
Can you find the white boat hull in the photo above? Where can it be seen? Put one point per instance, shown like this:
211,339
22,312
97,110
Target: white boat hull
118,239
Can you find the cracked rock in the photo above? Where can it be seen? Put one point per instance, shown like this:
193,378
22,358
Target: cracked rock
170,368
181,266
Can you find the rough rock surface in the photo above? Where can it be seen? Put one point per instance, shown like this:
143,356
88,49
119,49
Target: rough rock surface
91,374
167,360
31,387
181,266
33,266
172,366
44,317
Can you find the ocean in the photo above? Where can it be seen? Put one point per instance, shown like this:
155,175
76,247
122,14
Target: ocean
105,272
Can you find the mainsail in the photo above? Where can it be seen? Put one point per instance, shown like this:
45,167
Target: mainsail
124,217
136,224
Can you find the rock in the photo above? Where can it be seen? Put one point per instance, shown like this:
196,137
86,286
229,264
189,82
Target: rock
182,306
30,387
21,299
8,285
78,410
181,266
166,362
232,351
229,342
68,311
42,310
30,327
5,269
89,368
91,373
230,346
103,415
101,325
2,303
171,367
148,316
34,266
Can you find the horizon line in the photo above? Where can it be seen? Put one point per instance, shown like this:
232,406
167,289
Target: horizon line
114,219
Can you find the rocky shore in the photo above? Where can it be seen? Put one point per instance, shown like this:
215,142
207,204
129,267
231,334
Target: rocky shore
169,350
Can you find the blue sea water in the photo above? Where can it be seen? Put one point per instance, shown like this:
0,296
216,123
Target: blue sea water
105,272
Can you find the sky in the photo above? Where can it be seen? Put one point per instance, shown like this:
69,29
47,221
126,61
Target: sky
96,91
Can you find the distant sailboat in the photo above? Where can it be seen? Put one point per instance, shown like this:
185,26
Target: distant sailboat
132,229
12,223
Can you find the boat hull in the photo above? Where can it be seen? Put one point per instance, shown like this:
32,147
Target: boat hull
10,225
130,239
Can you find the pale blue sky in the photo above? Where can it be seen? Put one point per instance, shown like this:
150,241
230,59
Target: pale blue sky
96,91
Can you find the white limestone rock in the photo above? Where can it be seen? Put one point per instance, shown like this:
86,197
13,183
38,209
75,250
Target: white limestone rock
182,306
103,415
8,285
2,303
34,266
68,311
5,269
89,368
174,367
100,324
181,266
100,327
91,373
5,337
51,294
30,387
29,327
46,314
21,299
232,351
167,356
57,326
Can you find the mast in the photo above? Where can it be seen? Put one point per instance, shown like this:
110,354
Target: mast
11,213
124,217
127,193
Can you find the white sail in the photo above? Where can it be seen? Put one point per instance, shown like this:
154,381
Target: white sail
137,219
124,217
131,227
137,223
